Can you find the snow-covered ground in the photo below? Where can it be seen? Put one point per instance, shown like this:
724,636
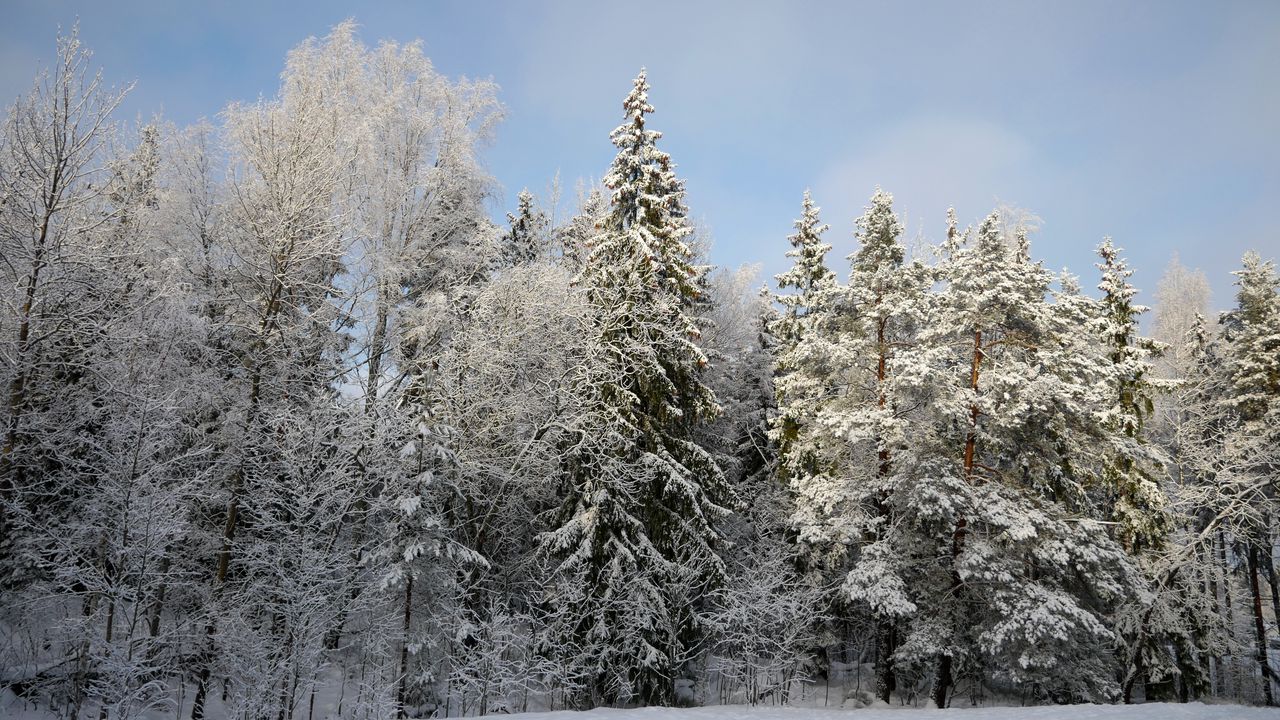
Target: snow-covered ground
1152,711
13,709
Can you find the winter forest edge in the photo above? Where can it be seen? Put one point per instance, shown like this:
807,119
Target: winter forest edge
293,429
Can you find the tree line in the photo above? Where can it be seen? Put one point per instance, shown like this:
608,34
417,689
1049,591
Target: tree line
292,426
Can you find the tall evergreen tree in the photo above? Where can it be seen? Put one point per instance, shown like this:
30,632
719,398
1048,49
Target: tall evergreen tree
1168,618
636,541
1002,468
887,299
809,275
800,382
1251,339
1130,463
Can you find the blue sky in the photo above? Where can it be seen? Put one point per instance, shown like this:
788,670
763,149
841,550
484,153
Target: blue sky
1157,123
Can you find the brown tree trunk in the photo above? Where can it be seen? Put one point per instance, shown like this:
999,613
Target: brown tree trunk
886,632
944,678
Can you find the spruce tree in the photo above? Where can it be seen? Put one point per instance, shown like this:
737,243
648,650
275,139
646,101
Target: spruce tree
799,382
527,239
809,276
1130,463
636,542
1159,637
1251,336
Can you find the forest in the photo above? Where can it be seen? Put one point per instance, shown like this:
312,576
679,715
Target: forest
294,426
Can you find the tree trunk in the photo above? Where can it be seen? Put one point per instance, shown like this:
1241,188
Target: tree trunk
1233,666
886,643
1138,670
1269,565
1216,684
108,636
1259,626
944,678
9,480
404,649
886,632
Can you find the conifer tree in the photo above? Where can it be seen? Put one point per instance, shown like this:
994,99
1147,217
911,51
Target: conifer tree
799,382
1251,336
857,426
1002,463
526,240
808,275
1132,497
887,298
636,542
1130,464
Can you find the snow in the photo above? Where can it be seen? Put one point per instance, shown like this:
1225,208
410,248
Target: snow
13,709
1152,711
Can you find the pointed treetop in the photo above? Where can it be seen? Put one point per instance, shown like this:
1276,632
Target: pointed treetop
1252,331
989,235
636,106
647,225
877,232
1023,243
1257,281
952,242
1069,283
1198,334
809,272
1115,275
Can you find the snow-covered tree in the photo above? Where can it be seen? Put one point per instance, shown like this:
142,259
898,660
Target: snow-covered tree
1246,475
799,383
808,276
635,539
839,393
527,240
885,302
1002,468
57,261
1129,462
1181,295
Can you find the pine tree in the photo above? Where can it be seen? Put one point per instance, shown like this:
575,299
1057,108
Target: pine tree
1003,464
857,426
887,299
636,538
